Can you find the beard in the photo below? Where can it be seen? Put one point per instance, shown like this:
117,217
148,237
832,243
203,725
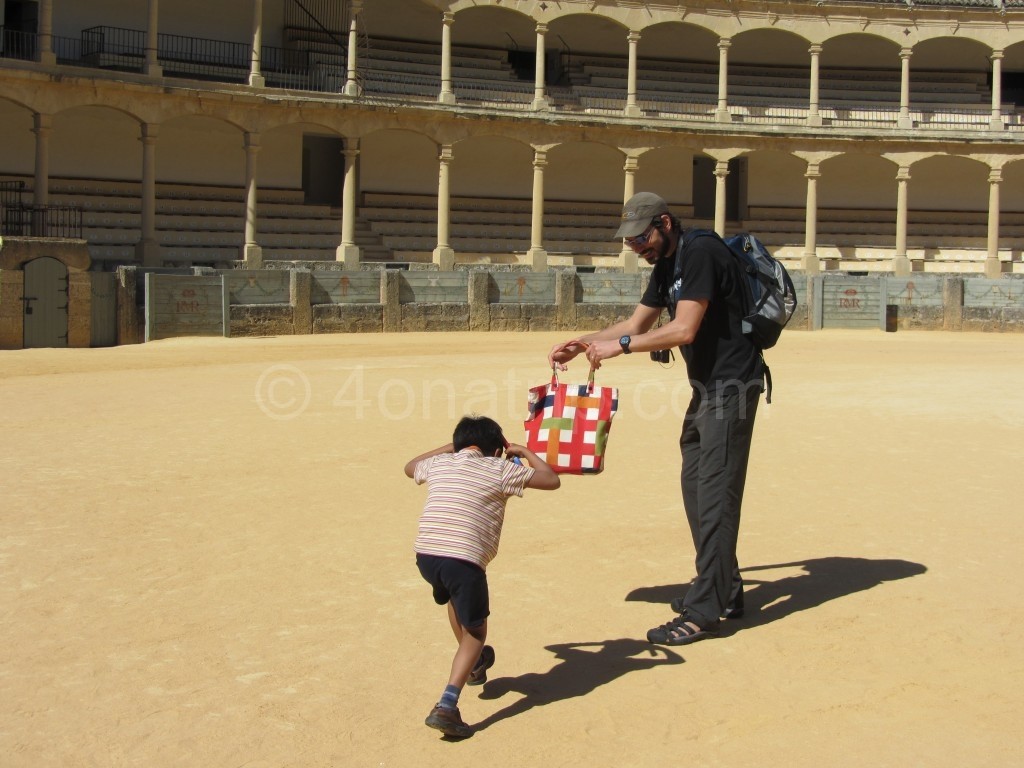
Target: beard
654,253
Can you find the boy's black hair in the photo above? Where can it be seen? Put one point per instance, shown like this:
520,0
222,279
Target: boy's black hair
481,431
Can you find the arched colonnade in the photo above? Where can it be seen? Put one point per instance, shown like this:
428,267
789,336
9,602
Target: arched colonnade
797,173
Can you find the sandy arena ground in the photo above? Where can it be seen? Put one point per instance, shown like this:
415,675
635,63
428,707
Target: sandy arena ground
205,560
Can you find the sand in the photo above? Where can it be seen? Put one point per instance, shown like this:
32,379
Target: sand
206,560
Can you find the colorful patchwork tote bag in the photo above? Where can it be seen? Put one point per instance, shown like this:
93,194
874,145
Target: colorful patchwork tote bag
569,423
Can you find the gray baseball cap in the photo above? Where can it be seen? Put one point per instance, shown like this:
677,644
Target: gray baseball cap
639,211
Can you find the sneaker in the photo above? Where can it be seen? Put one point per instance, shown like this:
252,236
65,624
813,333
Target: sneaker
449,722
479,674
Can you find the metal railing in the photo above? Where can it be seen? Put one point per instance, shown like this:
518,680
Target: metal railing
196,57
59,221
17,45
323,71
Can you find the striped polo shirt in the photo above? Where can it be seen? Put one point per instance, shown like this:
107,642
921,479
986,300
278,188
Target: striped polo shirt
465,508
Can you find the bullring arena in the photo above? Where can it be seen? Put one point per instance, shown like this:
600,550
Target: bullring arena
207,560
256,254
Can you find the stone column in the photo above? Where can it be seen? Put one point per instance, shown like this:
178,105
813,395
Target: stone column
42,127
721,171
992,265
997,91
147,251
252,253
256,79
810,262
444,255
45,55
348,251
152,66
300,296
628,255
904,120
813,116
479,301
447,95
900,262
722,114
540,100
538,256
632,110
351,85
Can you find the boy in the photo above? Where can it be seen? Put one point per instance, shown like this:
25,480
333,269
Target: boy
468,483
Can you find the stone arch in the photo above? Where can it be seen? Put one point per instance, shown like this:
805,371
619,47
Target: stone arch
201,149
92,141
492,165
775,178
858,180
584,170
668,171
931,180
944,53
769,47
665,39
16,125
398,160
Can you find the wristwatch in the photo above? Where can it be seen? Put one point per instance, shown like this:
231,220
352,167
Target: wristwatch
624,343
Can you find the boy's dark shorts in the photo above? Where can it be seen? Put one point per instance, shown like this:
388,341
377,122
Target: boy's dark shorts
462,583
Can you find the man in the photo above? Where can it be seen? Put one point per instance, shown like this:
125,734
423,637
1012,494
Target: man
705,302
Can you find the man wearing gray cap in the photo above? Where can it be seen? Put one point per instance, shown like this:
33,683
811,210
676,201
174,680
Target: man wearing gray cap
698,281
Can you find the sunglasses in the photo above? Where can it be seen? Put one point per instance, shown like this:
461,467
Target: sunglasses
643,237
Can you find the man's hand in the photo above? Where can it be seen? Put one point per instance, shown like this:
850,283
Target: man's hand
561,354
602,350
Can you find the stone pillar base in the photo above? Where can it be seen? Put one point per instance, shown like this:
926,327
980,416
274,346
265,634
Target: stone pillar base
147,253
993,267
541,105
814,120
630,263
723,116
810,263
351,89
349,255
300,286
904,123
154,70
900,266
257,81
996,124
538,259
444,257
252,255
48,58
632,110
446,97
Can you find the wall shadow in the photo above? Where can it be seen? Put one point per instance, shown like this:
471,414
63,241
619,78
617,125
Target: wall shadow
582,668
823,579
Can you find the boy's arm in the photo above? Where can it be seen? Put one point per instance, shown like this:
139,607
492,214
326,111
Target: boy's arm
410,467
544,477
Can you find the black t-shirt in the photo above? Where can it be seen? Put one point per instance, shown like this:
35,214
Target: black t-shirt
720,355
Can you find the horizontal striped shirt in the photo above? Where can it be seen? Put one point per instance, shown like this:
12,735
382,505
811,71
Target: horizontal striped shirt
465,508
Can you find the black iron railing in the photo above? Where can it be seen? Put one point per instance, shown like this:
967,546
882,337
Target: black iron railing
202,58
61,221
17,45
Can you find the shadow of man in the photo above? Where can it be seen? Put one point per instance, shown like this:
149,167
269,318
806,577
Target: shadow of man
582,668
822,579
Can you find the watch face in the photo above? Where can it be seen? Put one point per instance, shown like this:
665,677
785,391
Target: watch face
624,343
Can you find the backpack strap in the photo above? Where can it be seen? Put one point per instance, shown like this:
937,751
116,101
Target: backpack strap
687,237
